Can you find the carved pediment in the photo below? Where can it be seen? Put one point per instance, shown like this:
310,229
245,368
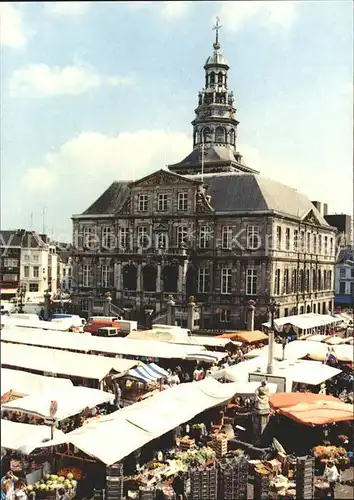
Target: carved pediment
203,206
160,227
310,218
161,177
125,209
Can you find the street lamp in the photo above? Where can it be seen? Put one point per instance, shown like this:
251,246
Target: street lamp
272,308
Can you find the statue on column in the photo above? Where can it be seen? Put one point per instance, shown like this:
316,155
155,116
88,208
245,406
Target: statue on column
261,409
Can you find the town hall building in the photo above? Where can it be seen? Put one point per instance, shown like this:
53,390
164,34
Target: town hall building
210,227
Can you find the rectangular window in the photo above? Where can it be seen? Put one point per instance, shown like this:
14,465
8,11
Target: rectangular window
278,238
35,258
143,237
307,281
182,233
26,258
342,273
162,202
226,274
69,272
87,236
203,280
226,237
302,241
325,245
10,277
251,282
331,247
253,242
182,201
287,239
294,281
204,237
10,262
308,243
225,316
86,274
329,280
33,287
123,237
352,273
296,240
35,272
143,203
161,240
26,271
107,237
277,282
314,244
286,281
104,276
342,287
319,244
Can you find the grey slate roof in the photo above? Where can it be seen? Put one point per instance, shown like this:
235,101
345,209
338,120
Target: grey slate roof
213,155
239,192
22,238
111,200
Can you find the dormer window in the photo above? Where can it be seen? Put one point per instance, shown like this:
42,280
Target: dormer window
143,203
162,202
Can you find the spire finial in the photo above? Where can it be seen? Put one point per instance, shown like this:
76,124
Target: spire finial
217,27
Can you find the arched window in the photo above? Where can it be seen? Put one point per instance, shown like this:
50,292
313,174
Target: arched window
149,278
194,138
220,134
220,78
308,310
206,134
212,78
130,275
170,278
319,281
191,281
314,280
232,137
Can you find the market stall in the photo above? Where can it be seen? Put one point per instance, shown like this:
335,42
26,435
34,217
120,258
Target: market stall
25,384
87,368
246,337
304,323
69,402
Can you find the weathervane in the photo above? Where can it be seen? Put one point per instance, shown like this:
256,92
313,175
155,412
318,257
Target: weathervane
217,27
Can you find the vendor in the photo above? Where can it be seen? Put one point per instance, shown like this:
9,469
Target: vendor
178,486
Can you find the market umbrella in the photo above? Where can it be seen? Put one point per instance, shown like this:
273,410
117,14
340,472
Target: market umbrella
319,412
286,399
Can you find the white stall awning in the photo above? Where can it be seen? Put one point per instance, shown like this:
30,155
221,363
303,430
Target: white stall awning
30,383
117,435
86,342
25,437
62,362
71,402
303,321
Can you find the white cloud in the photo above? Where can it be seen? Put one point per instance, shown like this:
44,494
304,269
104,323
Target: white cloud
11,25
173,10
169,11
66,8
41,178
41,80
92,160
235,14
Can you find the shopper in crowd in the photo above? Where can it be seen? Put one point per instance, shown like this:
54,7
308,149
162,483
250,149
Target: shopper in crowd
332,475
178,486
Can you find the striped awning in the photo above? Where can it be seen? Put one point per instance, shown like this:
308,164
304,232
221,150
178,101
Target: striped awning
147,373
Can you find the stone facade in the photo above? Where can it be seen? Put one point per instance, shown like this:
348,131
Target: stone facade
211,228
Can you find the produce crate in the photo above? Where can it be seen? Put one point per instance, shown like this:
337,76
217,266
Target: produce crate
146,493
186,444
219,446
99,494
115,470
114,488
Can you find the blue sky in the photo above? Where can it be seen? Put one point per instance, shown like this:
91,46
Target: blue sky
93,92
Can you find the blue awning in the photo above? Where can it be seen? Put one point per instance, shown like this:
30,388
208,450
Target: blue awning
147,373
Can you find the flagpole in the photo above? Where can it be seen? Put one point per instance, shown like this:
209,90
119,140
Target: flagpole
203,158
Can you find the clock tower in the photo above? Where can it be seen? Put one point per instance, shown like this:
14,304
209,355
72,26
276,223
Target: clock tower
215,123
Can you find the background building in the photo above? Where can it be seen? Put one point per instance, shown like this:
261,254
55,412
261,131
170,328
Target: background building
344,278
29,262
210,227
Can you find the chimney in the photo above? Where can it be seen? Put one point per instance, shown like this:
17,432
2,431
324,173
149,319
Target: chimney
321,207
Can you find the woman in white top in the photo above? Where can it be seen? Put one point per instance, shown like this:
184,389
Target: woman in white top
332,475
